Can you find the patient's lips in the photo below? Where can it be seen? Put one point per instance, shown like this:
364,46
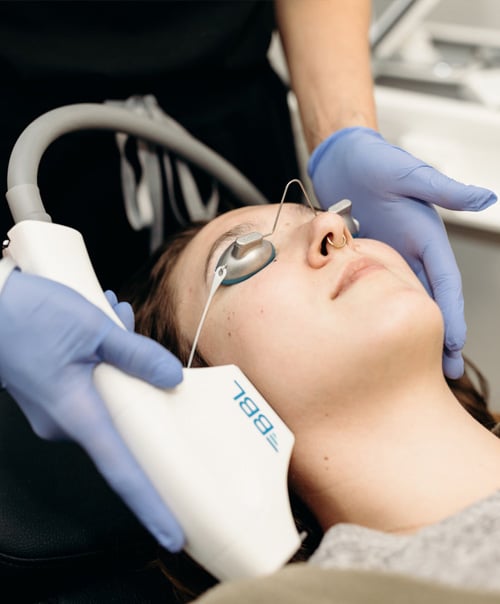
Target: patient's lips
353,271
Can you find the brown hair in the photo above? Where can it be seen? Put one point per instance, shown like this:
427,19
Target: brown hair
154,299
153,296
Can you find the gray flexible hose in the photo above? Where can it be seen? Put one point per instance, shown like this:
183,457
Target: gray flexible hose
23,195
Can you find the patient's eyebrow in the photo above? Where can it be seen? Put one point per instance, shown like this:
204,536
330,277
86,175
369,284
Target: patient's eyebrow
229,236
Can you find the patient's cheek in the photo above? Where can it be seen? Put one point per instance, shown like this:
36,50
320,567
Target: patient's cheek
228,324
219,335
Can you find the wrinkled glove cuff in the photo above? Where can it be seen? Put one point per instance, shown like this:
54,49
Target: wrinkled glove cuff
7,265
321,149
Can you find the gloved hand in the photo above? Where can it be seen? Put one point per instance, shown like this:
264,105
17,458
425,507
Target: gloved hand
391,193
51,339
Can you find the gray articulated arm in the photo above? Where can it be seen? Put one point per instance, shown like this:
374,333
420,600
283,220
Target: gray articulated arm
23,195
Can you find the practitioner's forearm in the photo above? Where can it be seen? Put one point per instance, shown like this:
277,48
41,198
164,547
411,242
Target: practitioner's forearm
326,43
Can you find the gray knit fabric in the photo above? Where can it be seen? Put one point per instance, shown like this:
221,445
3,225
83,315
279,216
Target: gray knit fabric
462,550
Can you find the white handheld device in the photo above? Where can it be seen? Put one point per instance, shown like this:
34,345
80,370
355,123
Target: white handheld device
213,448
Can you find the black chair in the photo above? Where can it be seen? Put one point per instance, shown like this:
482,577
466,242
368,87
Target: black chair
65,537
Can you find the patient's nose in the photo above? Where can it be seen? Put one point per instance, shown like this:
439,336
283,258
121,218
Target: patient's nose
328,235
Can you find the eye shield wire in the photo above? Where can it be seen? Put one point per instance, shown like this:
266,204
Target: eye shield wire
240,247
294,180
250,253
220,273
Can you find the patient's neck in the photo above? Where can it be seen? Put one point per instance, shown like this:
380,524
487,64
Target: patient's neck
399,459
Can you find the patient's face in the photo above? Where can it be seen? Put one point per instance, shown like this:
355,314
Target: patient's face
314,318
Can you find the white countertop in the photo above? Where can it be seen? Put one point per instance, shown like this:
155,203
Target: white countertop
460,139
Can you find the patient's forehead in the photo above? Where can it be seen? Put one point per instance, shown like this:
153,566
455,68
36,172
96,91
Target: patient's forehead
258,216
254,214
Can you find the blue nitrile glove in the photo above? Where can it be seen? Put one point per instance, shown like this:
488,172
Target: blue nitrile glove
123,310
391,192
51,339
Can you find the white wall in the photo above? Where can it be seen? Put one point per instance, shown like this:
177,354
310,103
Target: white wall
484,13
477,13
